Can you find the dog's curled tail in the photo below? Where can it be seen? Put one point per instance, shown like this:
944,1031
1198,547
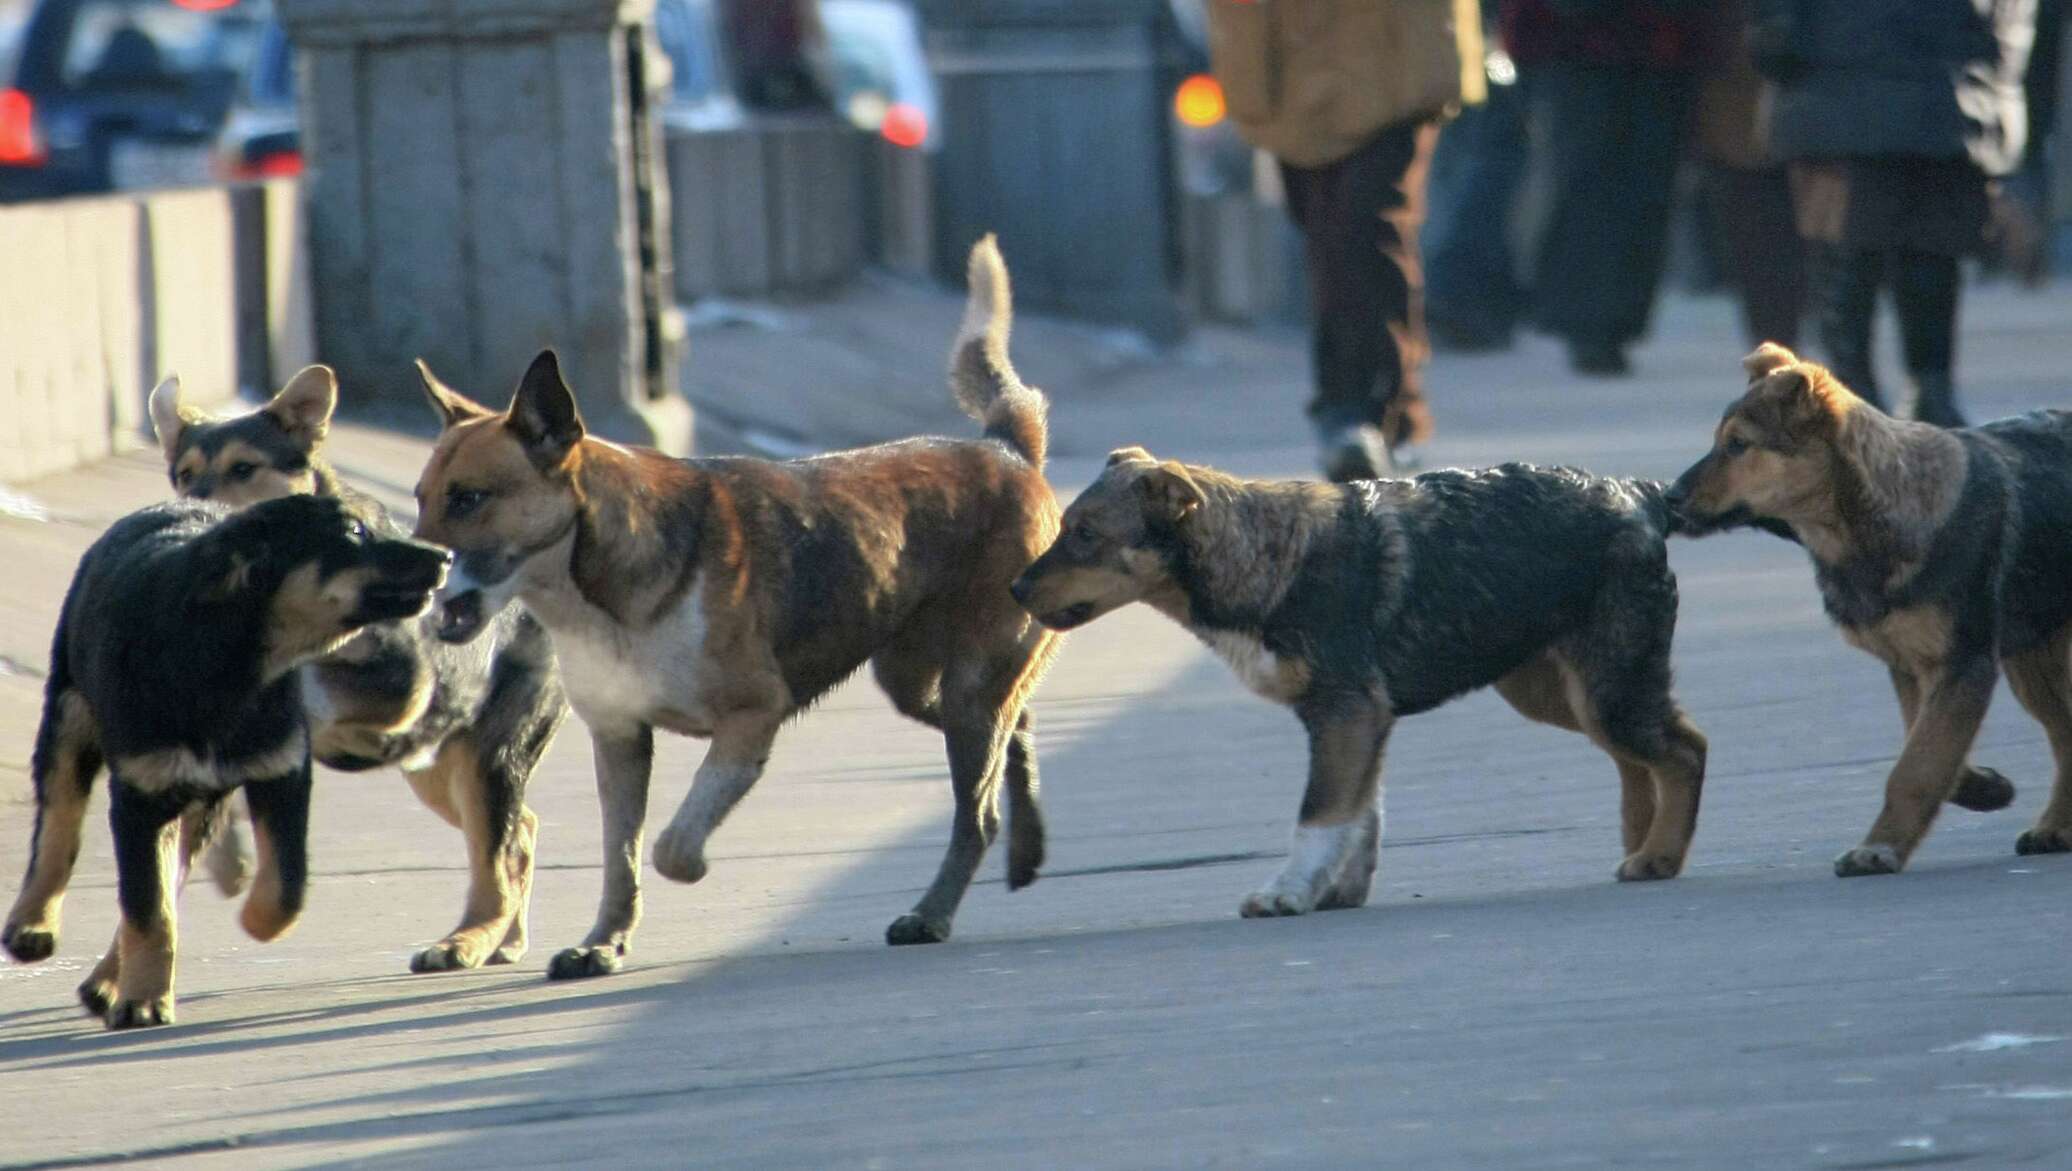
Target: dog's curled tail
981,376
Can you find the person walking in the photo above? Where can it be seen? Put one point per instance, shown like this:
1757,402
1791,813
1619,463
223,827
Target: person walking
1747,191
1346,94
1894,114
1610,83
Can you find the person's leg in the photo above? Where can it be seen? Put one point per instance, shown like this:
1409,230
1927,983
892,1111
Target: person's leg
1845,294
1576,117
1361,279
1925,287
1766,259
1472,298
1652,113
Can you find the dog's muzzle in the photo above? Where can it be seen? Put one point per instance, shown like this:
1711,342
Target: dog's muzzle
461,617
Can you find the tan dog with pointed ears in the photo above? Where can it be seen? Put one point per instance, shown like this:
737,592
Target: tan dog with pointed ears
718,598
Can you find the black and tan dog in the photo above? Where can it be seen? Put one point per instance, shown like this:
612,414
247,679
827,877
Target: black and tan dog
174,665
466,725
1947,554
720,597
1360,603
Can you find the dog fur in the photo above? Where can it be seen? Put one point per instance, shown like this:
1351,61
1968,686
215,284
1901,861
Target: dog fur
719,598
173,665
1360,603
1944,553
466,725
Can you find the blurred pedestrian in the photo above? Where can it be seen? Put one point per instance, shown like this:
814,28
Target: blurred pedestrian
1473,297
1611,84
1894,113
1345,94
1747,190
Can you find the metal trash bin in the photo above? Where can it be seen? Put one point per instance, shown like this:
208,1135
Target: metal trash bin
1056,136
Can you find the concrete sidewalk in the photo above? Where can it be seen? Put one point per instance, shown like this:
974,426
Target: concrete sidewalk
1500,1003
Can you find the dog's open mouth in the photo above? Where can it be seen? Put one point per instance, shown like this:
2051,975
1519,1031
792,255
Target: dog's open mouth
460,617
1068,617
388,600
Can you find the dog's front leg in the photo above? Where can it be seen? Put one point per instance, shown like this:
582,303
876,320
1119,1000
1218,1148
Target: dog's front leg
1982,790
147,843
1952,705
740,748
624,757
280,828
1338,832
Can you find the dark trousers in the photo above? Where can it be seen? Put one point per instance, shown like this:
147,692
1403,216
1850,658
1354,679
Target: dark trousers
1359,218
1924,292
1478,168
1759,241
1611,137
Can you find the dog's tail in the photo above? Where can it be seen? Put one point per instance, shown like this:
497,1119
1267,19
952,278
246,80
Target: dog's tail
981,376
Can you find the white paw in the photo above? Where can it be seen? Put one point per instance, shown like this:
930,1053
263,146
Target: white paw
1276,900
680,854
1863,860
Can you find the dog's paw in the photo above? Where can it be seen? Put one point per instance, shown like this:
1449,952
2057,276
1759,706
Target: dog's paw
581,963
229,861
95,995
1343,898
509,953
1983,790
1648,868
29,943
445,956
2043,841
912,928
1022,866
1877,859
1274,902
141,1014
680,855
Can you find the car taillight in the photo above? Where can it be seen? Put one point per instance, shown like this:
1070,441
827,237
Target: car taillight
904,125
20,145
1199,101
280,164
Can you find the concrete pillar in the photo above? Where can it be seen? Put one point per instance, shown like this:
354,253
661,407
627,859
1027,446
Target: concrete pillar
484,178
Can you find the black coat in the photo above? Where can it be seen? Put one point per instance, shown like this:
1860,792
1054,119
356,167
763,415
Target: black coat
1936,78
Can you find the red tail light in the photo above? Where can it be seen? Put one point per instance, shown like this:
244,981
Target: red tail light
281,164
20,146
904,125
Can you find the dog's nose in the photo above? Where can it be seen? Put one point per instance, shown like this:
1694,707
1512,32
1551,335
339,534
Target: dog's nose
1020,590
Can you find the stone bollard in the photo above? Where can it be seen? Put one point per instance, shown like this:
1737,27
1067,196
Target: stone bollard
484,178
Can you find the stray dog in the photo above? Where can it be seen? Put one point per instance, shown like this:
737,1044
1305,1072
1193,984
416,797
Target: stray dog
174,664
720,597
467,725
1947,554
1359,603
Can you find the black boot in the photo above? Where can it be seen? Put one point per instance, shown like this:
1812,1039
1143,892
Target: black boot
1935,399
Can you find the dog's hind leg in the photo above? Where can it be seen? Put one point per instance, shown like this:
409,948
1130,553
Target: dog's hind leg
2042,680
625,759
1953,705
1338,831
200,825
1539,691
1981,790
66,760
1025,829
147,846
280,828
456,788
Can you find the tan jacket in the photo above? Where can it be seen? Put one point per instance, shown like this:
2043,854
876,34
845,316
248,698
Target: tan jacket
1309,80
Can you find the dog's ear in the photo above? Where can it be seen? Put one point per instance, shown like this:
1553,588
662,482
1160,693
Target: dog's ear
1767,359
543,413
1169,492
303,407
449,404
1129,455
171,416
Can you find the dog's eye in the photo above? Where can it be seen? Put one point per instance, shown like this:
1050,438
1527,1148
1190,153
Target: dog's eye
1734,445
1083,533
355,530
183,477
242,470
462,501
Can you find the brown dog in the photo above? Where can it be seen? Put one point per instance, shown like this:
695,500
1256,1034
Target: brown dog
718,598
1943,553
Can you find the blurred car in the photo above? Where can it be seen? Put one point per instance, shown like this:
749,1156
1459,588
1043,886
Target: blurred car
104,95
881,77
262,136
